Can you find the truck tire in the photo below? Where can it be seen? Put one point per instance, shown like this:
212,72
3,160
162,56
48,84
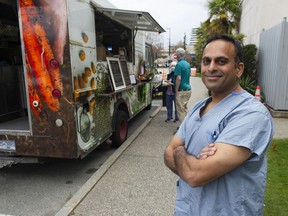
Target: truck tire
121,129
149,106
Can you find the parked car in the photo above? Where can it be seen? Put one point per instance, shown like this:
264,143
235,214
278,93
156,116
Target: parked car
157,83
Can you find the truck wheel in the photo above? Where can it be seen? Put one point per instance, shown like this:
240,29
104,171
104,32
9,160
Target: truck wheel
153,93
149,107
121,129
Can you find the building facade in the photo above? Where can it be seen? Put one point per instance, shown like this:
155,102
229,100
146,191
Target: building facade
264,23
258,15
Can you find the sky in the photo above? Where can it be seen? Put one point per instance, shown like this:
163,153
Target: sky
180,16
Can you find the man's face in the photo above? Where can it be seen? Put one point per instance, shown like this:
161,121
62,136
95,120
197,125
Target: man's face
219,70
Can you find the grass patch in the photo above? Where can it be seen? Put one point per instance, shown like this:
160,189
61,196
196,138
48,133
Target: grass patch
276,194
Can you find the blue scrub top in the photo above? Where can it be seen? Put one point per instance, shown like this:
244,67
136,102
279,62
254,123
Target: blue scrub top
240,120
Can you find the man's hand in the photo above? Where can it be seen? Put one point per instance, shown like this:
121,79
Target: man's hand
207,151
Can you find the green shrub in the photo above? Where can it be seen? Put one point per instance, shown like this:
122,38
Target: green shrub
248,80
248,84
249,59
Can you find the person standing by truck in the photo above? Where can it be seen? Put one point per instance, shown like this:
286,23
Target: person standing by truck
182,84
170,97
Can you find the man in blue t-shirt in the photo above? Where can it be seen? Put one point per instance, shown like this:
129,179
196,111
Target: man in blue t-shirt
182,84
219,151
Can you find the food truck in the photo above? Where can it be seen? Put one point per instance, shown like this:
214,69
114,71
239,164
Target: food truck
72,74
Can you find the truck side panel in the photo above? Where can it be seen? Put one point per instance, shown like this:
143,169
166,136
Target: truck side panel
46,67
96,100
72,103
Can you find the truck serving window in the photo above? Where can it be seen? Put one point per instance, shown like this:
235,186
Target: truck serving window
112,39
116,30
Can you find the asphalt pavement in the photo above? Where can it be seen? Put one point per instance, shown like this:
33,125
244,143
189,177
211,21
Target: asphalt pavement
134,180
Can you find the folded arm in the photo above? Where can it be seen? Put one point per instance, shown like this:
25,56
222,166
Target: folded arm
200,172
176,142
168,154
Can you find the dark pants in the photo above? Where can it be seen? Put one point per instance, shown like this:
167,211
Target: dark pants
169,105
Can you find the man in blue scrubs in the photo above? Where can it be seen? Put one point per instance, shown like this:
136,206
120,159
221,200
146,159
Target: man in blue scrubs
227,177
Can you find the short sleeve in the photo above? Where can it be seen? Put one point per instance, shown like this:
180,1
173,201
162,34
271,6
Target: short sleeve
252,130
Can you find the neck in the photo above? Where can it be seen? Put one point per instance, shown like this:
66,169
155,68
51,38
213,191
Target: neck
218,96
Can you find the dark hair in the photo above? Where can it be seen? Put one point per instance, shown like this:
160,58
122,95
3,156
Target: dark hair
237,44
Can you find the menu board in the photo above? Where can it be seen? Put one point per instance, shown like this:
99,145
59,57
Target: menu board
126,74
116,73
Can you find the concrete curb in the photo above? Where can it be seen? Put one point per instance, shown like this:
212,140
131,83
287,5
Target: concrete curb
92,181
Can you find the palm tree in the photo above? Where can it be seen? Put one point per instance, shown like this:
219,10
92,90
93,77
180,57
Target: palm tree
224,18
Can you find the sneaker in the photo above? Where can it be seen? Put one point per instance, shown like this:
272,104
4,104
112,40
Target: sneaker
176,120
169,120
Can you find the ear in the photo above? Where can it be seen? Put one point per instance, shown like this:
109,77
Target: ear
240,69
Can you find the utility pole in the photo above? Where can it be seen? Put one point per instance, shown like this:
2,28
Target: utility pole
169,48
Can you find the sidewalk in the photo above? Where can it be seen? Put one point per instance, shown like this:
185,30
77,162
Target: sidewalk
134,180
